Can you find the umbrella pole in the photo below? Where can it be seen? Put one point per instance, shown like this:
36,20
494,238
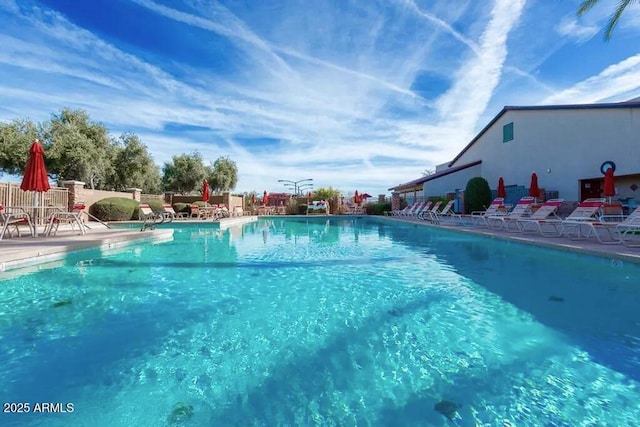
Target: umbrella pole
35,213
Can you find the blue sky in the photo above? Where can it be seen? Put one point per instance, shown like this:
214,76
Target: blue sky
356,94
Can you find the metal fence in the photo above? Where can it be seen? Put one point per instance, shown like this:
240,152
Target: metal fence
12,195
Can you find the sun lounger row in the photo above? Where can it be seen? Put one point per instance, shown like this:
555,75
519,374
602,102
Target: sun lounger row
584,222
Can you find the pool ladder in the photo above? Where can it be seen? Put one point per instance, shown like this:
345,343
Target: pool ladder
151,221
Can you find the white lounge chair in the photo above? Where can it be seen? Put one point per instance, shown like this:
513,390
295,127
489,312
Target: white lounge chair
422,209
480,217
446,212
509,222
547,213
629,230
611,233
429,214
414,208
590,210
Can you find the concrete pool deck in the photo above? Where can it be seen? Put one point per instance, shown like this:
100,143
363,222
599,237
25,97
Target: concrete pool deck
588,246
19,252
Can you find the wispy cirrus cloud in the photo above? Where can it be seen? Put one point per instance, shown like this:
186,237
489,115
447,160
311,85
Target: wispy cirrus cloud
355,95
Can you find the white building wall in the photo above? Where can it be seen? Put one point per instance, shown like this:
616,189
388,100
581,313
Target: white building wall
448,183
561,146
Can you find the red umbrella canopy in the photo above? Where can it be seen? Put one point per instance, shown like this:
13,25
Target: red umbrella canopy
365,196
265,198
253,199
534,191
502,192
609,184
35,174
205,191
356,197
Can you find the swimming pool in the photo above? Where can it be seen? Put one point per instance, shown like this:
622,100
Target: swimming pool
311,321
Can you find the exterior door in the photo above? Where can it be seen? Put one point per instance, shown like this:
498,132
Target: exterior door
590,188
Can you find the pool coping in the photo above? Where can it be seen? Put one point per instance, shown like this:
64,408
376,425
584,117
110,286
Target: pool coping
33,251
24,252
585,246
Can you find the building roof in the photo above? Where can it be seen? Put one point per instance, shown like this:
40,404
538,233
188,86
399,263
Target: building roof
426,178
627,104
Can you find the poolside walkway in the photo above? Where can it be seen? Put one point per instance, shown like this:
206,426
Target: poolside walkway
18,252
589,246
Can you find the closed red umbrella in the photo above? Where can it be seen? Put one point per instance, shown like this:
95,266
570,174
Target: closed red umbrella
265,198
35,174
205,191
609,184
534,191
502,192
356,198
253,199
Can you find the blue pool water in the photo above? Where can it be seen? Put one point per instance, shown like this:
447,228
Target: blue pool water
352,322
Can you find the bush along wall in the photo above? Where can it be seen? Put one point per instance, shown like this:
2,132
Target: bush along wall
477,195
115,209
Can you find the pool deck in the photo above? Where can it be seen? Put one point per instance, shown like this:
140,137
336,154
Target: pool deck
588,246
19,252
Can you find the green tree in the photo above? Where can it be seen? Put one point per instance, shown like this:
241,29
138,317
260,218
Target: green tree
621,6
79,149
134,166
184,173
325,193
223,175
15,139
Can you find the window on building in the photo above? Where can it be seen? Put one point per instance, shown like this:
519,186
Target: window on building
507,132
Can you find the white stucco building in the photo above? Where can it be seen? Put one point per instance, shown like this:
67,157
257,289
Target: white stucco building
566,145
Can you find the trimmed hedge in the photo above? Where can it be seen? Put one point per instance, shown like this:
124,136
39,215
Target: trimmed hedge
477,195
115,209
376,208
182,207
156,205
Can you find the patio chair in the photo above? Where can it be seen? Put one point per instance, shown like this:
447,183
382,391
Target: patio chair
428,214
169,212
422,209
446,212
480,217
509,222
547,214
590,210
629,229
414,208
612,233
401,212
14,218
145,212
71,218
194,211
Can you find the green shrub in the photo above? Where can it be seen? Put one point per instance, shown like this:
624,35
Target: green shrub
115,209
302,209
477,195
182,207
375,208
156,205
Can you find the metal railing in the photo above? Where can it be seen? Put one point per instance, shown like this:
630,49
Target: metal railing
12,195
